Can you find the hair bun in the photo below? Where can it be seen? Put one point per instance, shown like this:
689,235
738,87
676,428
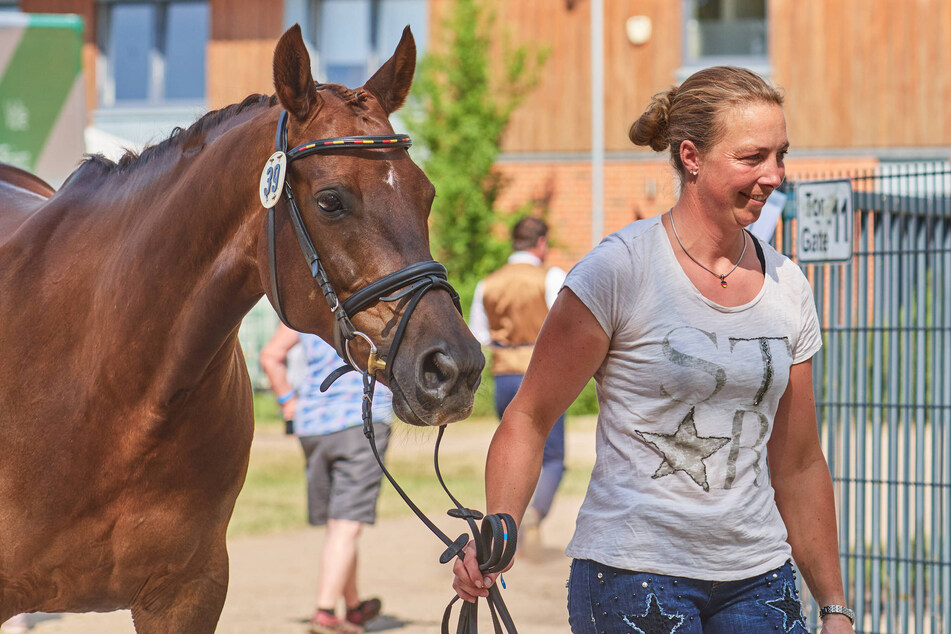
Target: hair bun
652,126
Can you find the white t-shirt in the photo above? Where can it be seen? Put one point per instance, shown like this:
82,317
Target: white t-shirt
687,394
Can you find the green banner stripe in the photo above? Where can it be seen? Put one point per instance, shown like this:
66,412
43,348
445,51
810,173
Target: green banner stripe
57,21
35,86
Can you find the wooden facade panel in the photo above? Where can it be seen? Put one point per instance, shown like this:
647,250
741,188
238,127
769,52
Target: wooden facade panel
635,73
246,19
90,54
857,73
555,116
237,68
942,16
862,73
241,49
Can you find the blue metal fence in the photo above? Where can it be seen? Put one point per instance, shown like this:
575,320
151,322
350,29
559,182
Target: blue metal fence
883,389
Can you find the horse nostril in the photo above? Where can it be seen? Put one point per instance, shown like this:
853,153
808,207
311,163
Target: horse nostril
438,373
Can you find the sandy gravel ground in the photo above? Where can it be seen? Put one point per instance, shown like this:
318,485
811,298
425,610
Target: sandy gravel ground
273,580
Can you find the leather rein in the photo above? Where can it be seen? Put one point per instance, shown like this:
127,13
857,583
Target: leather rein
496,538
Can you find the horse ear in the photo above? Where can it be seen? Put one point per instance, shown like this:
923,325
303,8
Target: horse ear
293,81
392,82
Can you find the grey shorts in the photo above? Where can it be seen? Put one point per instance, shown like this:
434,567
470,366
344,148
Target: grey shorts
343,477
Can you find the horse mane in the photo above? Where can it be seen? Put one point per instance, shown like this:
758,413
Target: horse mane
177,139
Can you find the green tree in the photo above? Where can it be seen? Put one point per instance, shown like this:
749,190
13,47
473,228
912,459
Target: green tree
462,102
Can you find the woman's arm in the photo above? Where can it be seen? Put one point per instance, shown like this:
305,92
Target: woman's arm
570,348
800,476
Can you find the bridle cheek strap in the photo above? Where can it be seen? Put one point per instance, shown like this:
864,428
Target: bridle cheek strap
344,330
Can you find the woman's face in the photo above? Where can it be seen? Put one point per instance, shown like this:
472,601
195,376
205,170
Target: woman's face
739,172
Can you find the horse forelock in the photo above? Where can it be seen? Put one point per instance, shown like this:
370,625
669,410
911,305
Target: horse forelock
356,99
178,140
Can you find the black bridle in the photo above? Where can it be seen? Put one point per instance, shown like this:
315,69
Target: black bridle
496,539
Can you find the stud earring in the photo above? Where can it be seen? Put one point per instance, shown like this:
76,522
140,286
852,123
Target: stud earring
694,172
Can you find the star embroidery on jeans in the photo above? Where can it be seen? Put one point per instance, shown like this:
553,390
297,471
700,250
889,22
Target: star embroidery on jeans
654,620
684,450
789,605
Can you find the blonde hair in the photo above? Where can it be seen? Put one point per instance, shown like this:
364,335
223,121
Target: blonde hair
690,112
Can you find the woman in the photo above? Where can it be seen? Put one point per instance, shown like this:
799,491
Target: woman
700,339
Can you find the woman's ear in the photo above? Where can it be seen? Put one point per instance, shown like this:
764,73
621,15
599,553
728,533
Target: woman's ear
690,156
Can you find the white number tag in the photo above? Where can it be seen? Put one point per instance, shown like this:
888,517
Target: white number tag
272,179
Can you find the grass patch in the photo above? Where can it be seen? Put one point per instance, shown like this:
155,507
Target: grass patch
274,494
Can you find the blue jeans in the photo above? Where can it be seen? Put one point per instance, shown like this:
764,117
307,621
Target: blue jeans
606,600
553,460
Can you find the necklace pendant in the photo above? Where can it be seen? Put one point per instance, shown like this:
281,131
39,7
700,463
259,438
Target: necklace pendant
722,282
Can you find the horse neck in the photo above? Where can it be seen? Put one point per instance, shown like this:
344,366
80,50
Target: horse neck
184,264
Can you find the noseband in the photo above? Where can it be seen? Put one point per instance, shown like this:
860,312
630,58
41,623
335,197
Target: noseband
495,541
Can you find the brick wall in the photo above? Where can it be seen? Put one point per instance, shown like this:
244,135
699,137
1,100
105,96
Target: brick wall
633,189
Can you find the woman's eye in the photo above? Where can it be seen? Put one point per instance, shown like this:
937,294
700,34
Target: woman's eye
329,202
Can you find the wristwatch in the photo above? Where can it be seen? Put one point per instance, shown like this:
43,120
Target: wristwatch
837,609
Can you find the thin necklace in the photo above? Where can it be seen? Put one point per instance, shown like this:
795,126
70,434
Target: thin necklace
722,277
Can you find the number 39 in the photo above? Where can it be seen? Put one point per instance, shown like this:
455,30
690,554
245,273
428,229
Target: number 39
272,177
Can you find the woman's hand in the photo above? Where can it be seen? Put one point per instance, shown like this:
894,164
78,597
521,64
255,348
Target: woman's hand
836,624
469,582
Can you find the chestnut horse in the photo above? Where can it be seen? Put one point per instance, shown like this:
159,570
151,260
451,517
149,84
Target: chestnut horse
125,403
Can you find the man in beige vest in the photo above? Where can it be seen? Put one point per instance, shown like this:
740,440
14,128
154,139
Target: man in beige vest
508,310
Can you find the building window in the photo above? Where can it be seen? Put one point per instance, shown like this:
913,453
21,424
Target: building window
354,37
152,53
725,32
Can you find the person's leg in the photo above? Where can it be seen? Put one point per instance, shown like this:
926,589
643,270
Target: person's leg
506,385
764,603
553,468
606,600
338,564
357,478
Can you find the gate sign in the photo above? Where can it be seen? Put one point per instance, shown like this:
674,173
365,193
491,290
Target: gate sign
824,218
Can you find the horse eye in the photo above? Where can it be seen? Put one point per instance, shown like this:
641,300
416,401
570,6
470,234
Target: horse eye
329,202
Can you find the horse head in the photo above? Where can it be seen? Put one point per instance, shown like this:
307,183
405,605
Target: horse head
362,205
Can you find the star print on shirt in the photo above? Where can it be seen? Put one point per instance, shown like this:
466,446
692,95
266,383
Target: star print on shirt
654,620
684,450
789,605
